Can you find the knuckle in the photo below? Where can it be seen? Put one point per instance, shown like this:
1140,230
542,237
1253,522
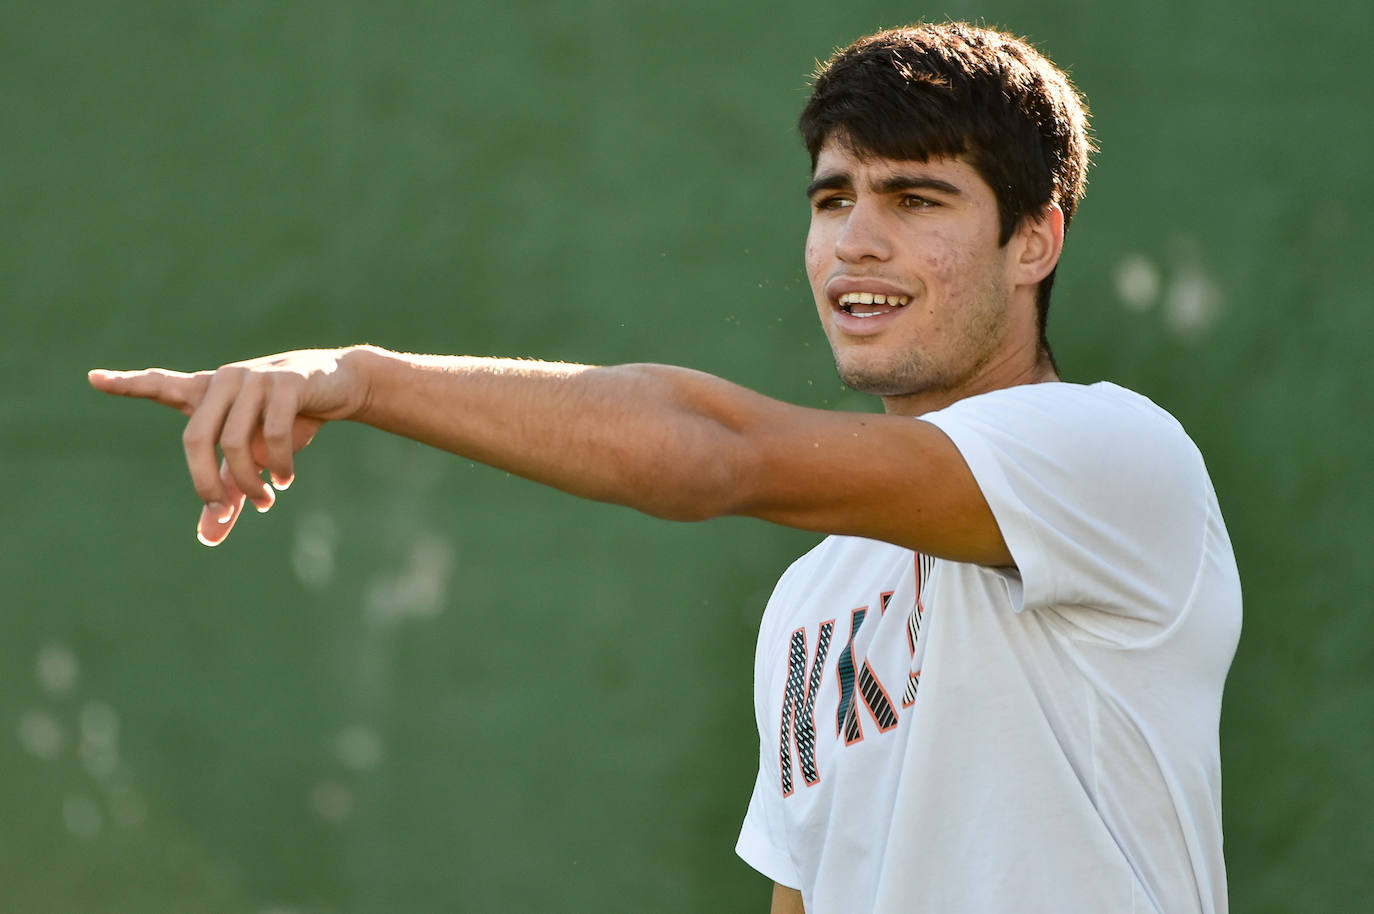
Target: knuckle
284,391
228,379
233,440
208,492
275,423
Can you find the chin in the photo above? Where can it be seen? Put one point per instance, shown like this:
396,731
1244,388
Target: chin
881,380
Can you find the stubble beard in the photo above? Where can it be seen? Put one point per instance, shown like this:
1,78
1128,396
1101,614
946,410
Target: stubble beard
915,372
898,376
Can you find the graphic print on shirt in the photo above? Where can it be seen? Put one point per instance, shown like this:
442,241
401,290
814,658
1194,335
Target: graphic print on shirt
871,690
856,682
799,705
924,566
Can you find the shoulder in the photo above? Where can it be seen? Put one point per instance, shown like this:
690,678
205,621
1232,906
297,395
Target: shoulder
1102,497
1061,403
1100,425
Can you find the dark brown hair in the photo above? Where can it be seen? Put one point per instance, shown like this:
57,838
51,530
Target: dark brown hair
953,89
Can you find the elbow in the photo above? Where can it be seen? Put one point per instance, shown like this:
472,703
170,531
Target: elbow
690,461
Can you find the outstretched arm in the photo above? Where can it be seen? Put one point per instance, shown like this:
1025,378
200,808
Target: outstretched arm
668,441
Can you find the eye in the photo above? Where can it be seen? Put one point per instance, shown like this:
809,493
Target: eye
822,204
913,201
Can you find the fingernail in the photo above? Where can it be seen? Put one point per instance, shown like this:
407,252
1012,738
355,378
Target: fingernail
281,485
220,512
203,541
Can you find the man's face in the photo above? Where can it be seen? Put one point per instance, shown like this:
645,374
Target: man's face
911,284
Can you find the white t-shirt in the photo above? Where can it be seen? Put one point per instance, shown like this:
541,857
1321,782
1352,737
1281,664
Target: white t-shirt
948,738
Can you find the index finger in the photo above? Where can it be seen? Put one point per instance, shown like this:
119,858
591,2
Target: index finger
176,389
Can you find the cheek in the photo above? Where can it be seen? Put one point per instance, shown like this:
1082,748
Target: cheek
959,270
818,270
945,257
814,258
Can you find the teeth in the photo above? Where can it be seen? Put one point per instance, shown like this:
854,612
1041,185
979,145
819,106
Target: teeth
873,298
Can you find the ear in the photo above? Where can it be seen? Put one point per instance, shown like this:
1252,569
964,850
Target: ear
1036,245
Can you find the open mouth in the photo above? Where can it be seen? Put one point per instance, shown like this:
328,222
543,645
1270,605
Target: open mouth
871,304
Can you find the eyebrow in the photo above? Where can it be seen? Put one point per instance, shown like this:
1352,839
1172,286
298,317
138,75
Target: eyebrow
839,180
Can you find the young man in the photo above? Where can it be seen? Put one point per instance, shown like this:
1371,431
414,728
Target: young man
997,685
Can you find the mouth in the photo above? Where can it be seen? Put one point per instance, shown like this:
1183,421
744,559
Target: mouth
870,304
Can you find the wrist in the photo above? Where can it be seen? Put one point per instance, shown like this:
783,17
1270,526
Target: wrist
363,364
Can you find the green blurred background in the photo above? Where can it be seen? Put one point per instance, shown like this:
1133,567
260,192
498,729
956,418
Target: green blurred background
419,685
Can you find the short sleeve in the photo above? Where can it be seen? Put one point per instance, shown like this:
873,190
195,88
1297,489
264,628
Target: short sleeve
1100,495
762,841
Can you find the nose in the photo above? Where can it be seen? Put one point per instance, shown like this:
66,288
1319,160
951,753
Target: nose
864,235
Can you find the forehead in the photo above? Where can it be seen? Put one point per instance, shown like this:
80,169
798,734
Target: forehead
837,159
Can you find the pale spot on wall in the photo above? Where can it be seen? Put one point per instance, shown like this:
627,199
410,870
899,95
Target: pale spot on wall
1137,282
359,748
1188,298
42,734
57,669
332,801
1192,302
418,589
312,552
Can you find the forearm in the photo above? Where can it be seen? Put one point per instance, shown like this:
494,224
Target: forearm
656,438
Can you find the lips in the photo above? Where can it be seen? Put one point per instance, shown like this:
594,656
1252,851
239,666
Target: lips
846,285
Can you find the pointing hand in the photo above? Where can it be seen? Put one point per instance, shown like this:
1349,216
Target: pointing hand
257,413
